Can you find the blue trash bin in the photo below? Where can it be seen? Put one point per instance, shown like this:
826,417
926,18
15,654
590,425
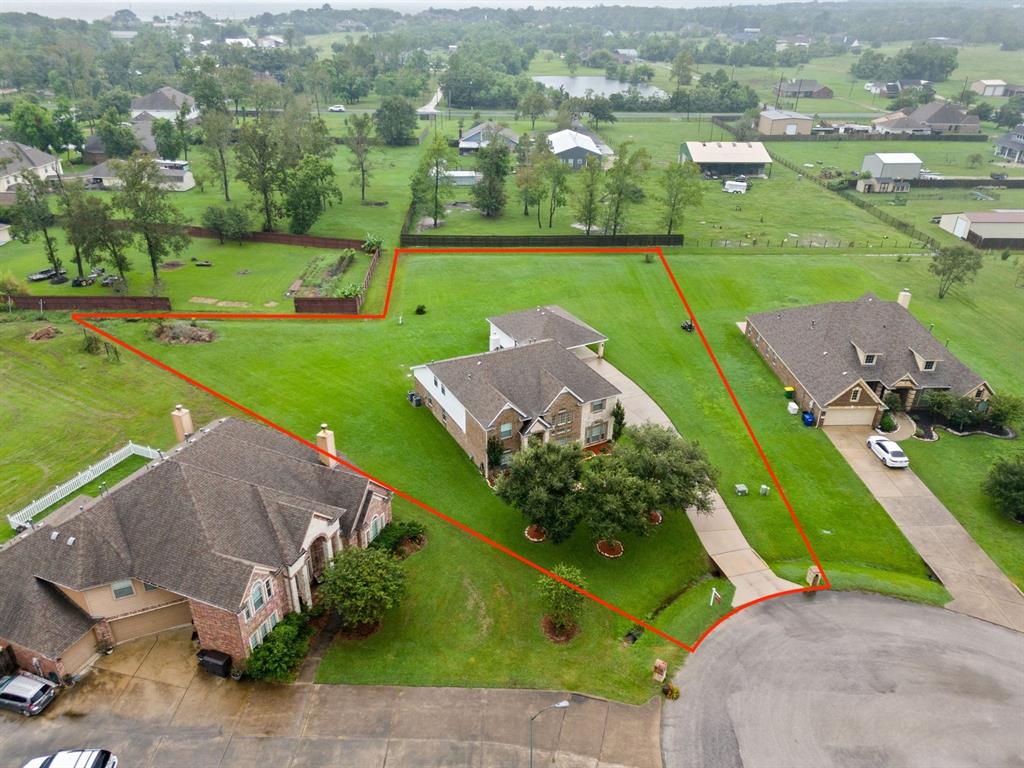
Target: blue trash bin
808,418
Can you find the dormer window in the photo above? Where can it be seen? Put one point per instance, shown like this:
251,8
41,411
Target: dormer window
929,365
924,363
870,359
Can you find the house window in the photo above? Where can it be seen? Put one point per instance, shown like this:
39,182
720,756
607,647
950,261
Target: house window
506,431
443,391
374,527
929,365
855,395
444,417
506,458
256,597
149,587
268,587
979,394
562,441
123,589
597,433
597,406
870,359
257,637
435,381
247,613
562,418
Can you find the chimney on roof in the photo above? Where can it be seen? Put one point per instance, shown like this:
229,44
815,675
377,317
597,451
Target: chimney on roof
325,442
904,298
182,422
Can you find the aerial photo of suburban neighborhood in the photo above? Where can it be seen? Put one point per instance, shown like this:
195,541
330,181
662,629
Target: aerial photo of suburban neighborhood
496,384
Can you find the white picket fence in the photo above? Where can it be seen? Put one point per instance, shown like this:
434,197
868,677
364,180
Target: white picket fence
23,517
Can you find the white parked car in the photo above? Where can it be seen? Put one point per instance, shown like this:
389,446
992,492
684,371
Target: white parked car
888,452
75,758
336,108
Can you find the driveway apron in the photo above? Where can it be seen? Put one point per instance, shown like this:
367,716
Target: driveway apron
978,587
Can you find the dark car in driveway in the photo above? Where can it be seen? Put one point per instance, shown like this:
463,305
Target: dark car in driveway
25,693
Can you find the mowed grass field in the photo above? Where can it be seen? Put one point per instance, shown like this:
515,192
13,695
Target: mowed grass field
486,591
253,277
472,613
781,208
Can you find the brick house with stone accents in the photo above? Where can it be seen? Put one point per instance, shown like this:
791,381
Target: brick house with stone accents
227,533
532,387
842,358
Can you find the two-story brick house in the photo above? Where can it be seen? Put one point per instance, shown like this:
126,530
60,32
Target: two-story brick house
227,533
530,388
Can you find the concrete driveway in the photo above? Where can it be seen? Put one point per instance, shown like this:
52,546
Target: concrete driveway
717,530
148,704
846,680
978,586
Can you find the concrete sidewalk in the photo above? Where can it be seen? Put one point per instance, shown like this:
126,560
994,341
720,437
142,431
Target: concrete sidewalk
151,706
978,586
718,532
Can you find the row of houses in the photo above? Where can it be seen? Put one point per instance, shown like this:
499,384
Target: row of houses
936,118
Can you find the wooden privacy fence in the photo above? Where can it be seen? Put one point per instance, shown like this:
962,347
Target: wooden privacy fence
64,303
24,516
537,241
344,305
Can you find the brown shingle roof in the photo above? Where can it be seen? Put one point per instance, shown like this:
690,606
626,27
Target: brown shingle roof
528,377
816,343
550,322
15,158
163,99
238,495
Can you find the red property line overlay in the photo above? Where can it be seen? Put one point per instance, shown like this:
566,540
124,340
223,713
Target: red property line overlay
82,319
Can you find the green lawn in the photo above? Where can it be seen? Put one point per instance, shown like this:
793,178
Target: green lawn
954,469
492,593
245,278
946,157
783,207
63,409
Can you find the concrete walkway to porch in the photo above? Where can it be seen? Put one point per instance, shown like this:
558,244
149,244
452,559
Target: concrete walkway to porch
718,532
978,586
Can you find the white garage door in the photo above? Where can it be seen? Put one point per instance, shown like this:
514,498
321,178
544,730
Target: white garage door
849,417
150,622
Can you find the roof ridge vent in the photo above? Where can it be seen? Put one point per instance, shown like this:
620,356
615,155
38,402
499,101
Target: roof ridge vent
71,540
55,535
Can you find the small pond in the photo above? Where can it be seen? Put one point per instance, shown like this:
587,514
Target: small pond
578,85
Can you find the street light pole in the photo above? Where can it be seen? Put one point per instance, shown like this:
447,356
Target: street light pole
559,705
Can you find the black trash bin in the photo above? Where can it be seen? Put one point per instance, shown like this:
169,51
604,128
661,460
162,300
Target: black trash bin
215,662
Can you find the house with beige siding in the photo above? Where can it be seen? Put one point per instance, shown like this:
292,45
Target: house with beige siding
227,533
16,159
844,357
531,387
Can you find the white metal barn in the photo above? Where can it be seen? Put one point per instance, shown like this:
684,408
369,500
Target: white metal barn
892,165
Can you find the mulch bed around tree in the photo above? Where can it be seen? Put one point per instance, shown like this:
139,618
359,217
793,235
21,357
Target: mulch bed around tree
184,333
535,533
361,632
610,549
554,635
655,517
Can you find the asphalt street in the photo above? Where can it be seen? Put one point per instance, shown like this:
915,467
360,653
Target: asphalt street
849,680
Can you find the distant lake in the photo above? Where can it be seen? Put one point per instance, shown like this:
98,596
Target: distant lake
578,85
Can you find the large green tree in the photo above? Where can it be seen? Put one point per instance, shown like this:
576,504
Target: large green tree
31,216
542,482
433,168
258,158
217,131
556,178
587,200
309,189
614,501
167,139
676,473
494,164
81,215
623,185
955,265
1004,484
359,140
362,585
534,103
155,222
118,139
395,120
33,125
681,189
